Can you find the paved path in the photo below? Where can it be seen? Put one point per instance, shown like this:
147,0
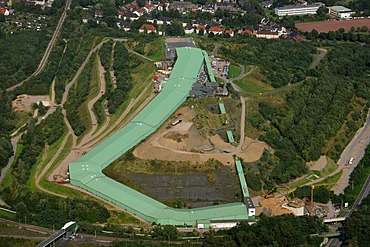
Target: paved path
319,58
48,49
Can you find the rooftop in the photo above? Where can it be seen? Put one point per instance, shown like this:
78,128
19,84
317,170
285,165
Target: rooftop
340,9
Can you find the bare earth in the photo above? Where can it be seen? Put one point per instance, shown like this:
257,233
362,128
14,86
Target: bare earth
184,142
326,26
319,164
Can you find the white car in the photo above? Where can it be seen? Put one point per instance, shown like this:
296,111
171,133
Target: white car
350,162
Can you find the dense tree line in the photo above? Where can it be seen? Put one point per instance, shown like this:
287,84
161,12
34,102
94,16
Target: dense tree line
37,136
21,53
356,230
281,62
7,120
285,230
321,194
121,65
77,96
105,54
361,34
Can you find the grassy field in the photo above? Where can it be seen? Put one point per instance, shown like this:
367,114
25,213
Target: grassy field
234,70
253,82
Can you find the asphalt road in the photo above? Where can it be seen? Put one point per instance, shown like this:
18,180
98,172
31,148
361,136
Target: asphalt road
355,149
48,49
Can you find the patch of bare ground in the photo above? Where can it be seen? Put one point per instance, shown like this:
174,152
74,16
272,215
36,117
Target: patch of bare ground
185,142
319,164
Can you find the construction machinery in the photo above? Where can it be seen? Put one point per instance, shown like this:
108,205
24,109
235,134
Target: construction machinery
270,194
312,191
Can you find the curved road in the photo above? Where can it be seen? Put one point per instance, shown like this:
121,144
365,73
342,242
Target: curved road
48,49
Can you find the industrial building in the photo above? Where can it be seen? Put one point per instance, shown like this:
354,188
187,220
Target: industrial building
86,172
340,12
297,10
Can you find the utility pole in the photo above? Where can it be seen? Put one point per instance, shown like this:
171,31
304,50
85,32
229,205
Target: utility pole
311,209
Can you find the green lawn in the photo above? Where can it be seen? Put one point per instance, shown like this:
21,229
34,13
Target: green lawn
253,82
331,180
234,71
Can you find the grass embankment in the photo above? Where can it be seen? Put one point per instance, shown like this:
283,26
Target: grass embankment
155,50
332,180
253,82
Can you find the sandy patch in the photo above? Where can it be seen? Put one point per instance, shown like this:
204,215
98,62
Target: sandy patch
274,205
319,164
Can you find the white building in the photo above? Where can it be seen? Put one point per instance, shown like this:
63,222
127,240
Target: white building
267,34
340,12
297,10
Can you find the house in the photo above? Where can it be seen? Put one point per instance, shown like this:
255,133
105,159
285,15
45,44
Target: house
164,20
200,27
340,12
163,6
148,28
183,22
215,30
267,34
87,18
297,10
4,11
229,32
140,12
209,8
189,29
99,14
267,4
183,6
227,7
125,25
131,16
247,31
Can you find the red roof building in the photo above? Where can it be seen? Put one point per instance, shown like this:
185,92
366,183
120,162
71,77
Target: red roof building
215,30
247,31
230,32
148,27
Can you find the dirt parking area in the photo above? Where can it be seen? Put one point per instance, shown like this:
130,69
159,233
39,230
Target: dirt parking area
24,102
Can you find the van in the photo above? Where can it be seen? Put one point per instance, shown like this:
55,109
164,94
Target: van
176,122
